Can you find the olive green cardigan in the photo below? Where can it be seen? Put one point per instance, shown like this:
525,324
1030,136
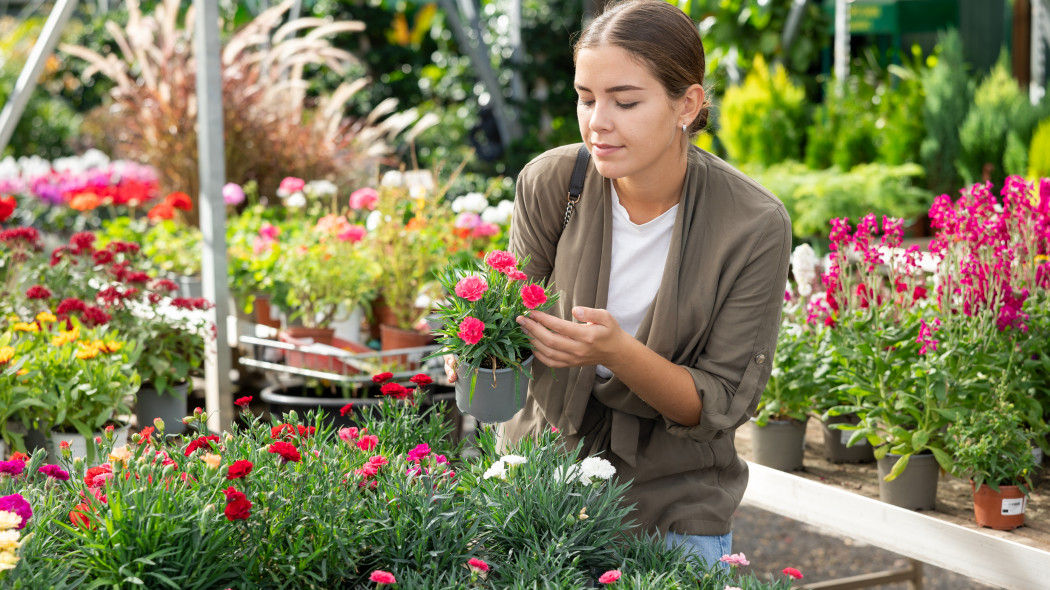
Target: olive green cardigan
717,313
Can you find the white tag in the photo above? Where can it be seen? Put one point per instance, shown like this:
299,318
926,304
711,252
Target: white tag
848,434
1013,506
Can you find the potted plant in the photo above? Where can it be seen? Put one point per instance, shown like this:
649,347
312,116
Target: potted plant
993,448
478,326
80,377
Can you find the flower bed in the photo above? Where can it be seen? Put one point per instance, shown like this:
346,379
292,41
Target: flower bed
297,505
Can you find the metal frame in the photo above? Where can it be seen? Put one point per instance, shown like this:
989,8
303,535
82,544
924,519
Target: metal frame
1040,42
984,557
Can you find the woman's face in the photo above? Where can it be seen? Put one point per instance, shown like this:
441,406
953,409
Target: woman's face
626,119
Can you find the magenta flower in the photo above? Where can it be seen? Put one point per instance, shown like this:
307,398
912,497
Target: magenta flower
232,194
382,577
609,577
502,261
13,467
364,198
54,472
533,296
471,288
471,330
17,504
421,451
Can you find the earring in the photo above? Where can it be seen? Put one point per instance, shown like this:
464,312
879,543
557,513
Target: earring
683,128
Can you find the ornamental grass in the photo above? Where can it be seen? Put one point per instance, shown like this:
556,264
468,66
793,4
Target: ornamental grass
291,503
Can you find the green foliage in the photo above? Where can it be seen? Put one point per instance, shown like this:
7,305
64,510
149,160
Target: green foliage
844,128
762,120
814,196
993,447
997,130
1039,151
948,96
900,132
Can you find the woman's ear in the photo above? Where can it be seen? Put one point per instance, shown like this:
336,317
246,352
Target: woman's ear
691,103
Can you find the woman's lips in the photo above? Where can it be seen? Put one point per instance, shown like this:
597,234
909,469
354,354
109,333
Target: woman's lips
602,150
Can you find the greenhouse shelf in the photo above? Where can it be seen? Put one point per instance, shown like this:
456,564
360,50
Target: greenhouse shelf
973,553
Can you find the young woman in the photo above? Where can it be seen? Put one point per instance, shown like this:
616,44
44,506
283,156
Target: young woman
672,271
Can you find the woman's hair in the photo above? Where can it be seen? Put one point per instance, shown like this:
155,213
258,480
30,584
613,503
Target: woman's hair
660,36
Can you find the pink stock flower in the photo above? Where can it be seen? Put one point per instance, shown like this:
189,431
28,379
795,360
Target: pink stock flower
925,338
502,261
472,288
471,330
609,577
364,198
533,296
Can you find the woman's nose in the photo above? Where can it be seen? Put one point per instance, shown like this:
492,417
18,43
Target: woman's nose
600,118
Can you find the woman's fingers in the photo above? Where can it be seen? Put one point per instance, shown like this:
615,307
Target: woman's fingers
450,368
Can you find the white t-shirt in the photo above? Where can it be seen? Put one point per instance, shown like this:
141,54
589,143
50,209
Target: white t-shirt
639,254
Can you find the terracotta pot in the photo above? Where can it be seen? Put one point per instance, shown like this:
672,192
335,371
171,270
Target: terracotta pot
1002,510
392,338
265,314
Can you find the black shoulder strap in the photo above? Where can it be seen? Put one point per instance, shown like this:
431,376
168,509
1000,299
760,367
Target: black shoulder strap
579,173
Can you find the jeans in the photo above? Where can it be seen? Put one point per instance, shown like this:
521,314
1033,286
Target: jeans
710,548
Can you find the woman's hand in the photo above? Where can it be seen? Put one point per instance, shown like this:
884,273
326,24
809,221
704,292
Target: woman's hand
597,340
450,368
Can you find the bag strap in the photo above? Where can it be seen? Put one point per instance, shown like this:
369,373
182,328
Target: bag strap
579,173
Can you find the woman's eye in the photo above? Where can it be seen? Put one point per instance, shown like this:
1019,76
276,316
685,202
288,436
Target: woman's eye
584,103
626,105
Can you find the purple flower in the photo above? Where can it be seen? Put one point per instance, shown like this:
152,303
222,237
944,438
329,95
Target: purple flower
14,467
232,194
17,504
54,471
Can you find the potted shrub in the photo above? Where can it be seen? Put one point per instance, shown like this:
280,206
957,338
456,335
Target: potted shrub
80,378
993,448
478,326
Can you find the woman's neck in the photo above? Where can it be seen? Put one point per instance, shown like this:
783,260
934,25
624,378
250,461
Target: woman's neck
649,195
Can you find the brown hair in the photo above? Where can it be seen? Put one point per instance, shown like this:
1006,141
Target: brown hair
660,36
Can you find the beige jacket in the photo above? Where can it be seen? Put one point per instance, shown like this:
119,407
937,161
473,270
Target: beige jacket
717,313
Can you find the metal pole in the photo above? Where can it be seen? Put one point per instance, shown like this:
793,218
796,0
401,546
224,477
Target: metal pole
26,83
841,45
1040,39
517,83
218,390
791,28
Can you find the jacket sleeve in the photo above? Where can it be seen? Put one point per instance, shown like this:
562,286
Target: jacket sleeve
732,370
532,230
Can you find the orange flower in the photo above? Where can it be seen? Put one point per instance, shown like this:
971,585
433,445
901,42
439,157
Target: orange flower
87,351
46,316
25,327
113,346
84,201
66,337
415,224
179,200
161,211
6,354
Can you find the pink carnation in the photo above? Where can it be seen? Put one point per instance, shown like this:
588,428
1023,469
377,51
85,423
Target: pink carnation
368,442
609,577
471,287
516,275
533,296
382,577
290,185
364,198
735,559
478,565
352,234
421,451
502,261
471,330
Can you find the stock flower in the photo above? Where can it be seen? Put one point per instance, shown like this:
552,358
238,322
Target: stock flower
15,467
38,292
472,288
382,377
382,577
502,261
609,577
347,409
735,559
471,330
792,573
477,565
16,504
239,469
287,451
243,401
367,442
364,198
533,296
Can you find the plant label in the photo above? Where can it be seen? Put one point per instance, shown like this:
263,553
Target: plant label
1013,506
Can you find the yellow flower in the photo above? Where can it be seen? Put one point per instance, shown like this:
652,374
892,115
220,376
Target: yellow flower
9,540
66,337
121,455
113,346
6,354
8,559
25,327
212,460
46,316
22,372
9,520
1042,258
88,351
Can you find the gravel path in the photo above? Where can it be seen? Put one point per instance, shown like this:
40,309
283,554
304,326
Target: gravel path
772,542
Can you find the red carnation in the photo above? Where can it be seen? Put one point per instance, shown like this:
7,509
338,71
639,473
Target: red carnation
89,477
382,377
287,451
82,242
237,505
161,211
179,200
136,277
200,443
240,468
79,516
792,573
243,401
348,408
367,442
395,390
8,204
70,304
94,316
38,292
121,247
421,380
102,257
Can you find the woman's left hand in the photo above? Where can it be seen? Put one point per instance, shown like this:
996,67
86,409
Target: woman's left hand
558,343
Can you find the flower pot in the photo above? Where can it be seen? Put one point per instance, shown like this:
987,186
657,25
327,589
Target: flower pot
78,444
191,287
266,314
916,487
498,395
393,338
835,449
1002,510
349,326
170,407
778,444
318,335
3,451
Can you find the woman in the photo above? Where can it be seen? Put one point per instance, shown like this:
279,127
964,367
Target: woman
672,269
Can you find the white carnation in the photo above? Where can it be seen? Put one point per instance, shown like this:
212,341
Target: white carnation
321,188
471,202
373,220
595,468
567,474
513,459
296,199
498,469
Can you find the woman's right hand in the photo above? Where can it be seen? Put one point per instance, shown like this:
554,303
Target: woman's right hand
450,368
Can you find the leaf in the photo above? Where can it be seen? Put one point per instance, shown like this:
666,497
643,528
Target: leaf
898,468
